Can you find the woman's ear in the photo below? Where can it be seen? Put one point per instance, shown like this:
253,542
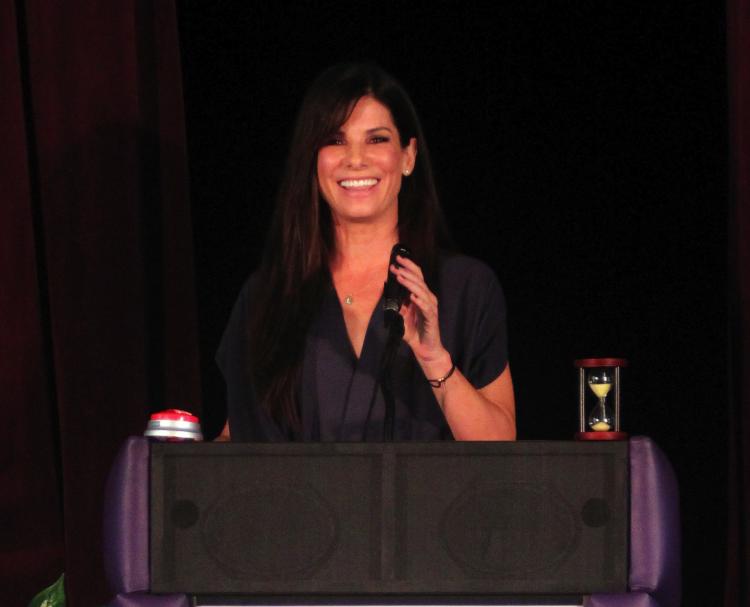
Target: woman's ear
410,156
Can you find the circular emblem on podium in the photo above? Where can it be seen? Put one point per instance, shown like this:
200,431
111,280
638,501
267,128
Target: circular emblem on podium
506,529
280,532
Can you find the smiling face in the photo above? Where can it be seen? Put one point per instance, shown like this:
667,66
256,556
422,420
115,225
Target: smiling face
360,168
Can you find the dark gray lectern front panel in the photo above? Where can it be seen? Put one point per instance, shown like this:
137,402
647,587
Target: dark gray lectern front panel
401,518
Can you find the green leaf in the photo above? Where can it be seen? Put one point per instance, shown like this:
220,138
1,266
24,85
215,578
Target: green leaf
53,596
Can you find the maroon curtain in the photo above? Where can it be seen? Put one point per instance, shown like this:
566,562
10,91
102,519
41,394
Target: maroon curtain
97,303
31,526
738,561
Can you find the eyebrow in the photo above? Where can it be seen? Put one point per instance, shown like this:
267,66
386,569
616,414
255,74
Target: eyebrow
369,131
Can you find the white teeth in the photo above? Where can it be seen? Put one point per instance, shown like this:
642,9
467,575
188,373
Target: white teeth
357,183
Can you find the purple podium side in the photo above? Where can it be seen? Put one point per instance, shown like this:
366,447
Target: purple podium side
126,523
654,577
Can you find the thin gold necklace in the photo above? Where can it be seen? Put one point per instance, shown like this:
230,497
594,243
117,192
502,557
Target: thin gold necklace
349,298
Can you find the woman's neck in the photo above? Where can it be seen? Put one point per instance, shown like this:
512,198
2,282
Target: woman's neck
360,248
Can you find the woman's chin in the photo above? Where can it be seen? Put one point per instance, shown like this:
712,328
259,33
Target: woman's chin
366,213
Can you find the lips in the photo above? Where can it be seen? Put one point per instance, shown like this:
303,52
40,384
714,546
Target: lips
358,184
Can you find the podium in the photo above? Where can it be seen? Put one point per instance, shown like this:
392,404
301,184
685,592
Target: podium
453,523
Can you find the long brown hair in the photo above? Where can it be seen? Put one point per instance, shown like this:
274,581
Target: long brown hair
294,270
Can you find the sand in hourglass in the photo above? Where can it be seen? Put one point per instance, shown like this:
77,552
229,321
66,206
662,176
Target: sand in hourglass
601,390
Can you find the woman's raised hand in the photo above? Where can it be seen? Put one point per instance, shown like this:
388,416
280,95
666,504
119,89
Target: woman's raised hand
420,314
484,414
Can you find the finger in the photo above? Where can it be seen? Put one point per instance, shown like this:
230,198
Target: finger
426,307
427,310
408,263
417,287
413,282
407,310
410,313
412,272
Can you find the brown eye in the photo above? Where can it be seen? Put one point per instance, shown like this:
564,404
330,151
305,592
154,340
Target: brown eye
334,140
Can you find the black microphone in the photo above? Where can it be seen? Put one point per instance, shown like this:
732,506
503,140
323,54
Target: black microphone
394,292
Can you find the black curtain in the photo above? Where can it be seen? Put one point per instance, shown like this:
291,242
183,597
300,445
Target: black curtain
738,545
580,149
97,305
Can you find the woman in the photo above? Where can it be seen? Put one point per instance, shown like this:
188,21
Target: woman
302,352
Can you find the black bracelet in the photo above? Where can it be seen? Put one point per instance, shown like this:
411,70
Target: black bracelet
438,383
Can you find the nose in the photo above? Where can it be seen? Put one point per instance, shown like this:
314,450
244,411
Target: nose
355,156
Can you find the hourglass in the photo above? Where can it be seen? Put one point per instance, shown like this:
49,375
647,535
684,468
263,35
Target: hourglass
599,380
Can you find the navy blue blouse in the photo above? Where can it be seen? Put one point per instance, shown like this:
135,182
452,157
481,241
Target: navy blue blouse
336,388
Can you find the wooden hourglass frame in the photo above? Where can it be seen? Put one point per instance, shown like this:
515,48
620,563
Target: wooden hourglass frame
603,429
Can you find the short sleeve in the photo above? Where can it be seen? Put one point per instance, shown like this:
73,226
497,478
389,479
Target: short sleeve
473,319
248,421
490,343
233,347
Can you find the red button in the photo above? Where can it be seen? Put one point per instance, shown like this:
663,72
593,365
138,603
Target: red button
174,415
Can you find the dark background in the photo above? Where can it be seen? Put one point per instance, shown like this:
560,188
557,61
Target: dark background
580,149
596,154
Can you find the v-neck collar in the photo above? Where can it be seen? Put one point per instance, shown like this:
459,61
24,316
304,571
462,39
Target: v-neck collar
342,414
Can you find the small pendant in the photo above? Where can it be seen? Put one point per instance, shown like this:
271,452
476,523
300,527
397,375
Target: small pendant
348,300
